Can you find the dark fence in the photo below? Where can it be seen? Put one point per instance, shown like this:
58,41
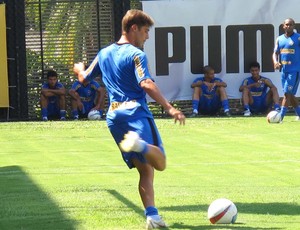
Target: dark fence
53,34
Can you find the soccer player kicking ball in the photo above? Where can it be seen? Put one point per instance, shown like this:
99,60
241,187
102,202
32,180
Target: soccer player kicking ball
125,73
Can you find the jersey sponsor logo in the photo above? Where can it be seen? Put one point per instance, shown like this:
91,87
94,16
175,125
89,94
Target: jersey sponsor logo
123,105
287,51
138,66
256,94
286,62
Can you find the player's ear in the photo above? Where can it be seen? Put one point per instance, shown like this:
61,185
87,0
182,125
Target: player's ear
134,27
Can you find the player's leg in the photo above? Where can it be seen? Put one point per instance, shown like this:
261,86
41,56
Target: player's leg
290,83
195,100
273,97
62,107
44,107
224,100
74,108
247,101
144,154
140,139
293,100
146,191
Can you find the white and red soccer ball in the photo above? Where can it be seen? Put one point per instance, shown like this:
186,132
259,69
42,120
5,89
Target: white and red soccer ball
222,211
274,117
94,115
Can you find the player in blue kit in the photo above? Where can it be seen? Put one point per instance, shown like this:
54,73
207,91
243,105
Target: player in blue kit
86,96
209,94
53,100
124,69
258,92
287,57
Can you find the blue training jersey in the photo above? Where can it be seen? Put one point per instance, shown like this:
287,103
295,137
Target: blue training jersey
256,92
58,85
87,92
123,67
205,90
288,49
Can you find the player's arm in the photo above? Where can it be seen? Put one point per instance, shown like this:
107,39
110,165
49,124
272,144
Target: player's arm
275,56
196,84
269,83
100,97
53,92
220,84
153,91
90,73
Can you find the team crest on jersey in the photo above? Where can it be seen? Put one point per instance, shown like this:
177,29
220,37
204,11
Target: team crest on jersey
291,43
138,66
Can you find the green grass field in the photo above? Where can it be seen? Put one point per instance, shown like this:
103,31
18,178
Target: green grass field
70,175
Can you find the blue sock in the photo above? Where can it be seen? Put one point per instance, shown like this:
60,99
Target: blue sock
276,106
62,113
44,112
101,112
283,112
246,107
225,105
298,110
145,147
195,104
151,211
75,113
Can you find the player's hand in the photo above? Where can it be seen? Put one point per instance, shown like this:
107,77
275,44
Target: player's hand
177,115
277,65
79,67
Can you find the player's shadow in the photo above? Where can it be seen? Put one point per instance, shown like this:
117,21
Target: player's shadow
25,206
274,208
127,202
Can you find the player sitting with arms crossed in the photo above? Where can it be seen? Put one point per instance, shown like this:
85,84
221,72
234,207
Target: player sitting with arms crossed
258,93
209,94
125,73
53,100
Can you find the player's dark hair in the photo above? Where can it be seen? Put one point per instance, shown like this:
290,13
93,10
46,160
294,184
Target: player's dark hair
207,69
289,19
137,17
51,73
254,64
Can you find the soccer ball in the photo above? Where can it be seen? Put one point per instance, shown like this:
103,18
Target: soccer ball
94,115
222,211
273,117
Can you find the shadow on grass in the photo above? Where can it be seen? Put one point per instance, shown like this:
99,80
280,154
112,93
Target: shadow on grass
255,208
127,202
229,226
25,206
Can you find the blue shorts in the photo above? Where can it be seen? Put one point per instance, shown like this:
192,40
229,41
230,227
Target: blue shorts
147,130
259,104
53,110
209,106
290,82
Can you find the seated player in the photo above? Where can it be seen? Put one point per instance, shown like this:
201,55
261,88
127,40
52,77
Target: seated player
209,94
85,97
258,93
53,100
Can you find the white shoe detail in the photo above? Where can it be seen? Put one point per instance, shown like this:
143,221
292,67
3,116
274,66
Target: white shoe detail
132,142
155,222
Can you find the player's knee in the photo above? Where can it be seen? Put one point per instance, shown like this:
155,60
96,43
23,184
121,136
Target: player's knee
161,166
